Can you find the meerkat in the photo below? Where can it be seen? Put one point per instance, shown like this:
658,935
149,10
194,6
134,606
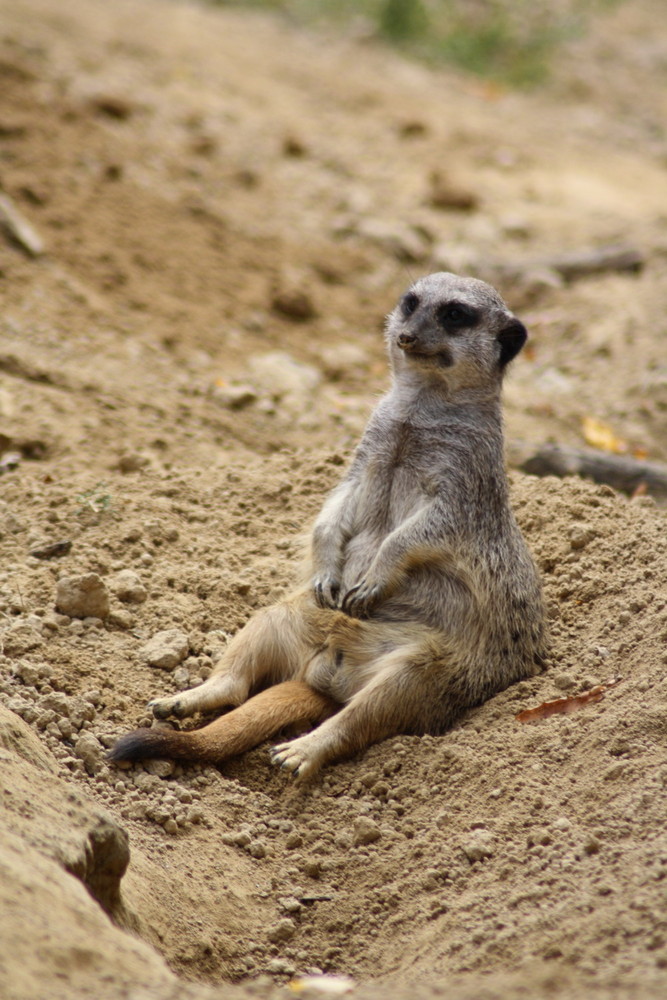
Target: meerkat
421,598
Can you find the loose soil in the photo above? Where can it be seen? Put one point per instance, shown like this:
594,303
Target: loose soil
229,206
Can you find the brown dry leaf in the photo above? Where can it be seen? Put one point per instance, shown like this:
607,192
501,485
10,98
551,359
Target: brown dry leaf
563,706
600,435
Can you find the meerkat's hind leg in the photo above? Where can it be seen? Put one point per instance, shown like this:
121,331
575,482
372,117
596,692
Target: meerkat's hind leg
220,690
272,647
392,702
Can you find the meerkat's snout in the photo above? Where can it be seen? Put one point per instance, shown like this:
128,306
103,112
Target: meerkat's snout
406,341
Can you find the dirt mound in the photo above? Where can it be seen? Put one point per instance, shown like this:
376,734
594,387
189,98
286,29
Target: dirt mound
184,372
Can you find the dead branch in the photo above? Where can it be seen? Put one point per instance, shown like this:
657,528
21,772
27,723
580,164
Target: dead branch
623,472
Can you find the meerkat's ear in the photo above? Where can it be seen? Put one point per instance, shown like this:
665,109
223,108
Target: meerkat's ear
511,339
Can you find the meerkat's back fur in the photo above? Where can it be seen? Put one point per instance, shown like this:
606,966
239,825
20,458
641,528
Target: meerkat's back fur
421,598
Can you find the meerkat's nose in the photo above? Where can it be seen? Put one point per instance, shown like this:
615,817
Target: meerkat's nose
406,340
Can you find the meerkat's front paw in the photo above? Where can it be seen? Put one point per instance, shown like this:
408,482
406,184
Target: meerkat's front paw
326,590
362,598
297,756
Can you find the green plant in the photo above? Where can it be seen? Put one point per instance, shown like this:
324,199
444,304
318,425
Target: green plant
403,20
95,499
508,40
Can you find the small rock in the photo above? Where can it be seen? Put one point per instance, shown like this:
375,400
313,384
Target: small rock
166,649
28,673
121,618
445,193
112,106
257,849
478,846
82,596
614,772
234,397
290,904
564,682
561,823
281,967
52,550
580,536
284,930
128,588
343,360
591,845
131,462
182,678
282,375
160,768
293,303
20,638
171,826
88,749
365,831
312,867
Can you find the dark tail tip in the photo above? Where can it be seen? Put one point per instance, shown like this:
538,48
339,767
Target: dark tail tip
138,745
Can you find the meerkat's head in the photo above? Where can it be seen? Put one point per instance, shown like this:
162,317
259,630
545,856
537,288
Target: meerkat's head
453,330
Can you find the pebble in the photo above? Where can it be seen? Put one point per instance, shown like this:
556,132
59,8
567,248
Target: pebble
121,618
478,845
257,849
580,535
160,768
82,596
166,649
293,303
365,831
564,682
283,376
181,678
284,930
280,966
235,397
21,637
290,904
88,749
343,360
128,588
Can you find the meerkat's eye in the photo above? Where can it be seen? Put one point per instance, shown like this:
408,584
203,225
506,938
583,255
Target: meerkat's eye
409,303
454,317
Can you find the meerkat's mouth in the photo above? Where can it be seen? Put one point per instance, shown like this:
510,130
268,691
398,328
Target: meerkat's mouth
440,359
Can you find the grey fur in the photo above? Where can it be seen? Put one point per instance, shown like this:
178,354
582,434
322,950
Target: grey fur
423,599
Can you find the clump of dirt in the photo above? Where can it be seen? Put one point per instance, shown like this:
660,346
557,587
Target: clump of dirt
185,371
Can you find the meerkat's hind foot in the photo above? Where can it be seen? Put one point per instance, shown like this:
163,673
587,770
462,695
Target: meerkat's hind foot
219,691
294,756
162,708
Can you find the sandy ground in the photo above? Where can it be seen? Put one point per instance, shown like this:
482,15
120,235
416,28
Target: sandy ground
213,188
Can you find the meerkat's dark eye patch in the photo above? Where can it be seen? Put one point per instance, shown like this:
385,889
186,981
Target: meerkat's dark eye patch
454,317
409,303
511,339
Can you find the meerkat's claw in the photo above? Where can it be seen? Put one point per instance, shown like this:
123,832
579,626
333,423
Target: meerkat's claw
361,599
327,591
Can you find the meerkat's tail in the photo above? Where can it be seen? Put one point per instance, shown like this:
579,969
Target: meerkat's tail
286,704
